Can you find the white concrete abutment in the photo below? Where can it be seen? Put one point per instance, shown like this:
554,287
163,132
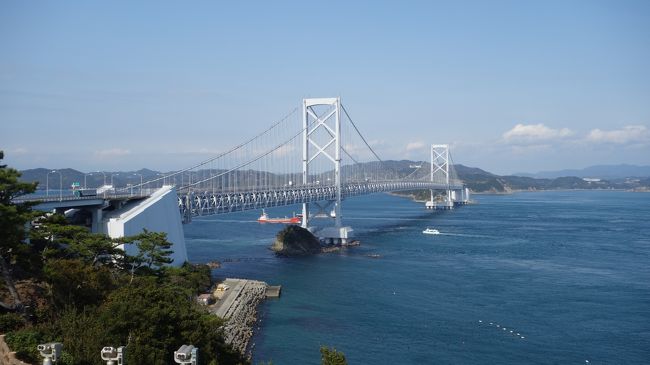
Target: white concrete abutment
157,213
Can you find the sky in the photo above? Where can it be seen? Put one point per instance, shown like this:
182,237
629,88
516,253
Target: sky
512,86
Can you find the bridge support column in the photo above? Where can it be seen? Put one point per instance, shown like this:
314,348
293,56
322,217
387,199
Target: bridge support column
335,235
451,198
96,224
305,161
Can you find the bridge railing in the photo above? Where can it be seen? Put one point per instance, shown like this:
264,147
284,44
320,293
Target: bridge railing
105,195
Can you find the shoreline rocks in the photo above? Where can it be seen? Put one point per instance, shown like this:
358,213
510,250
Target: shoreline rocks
239,310
339,247
214,264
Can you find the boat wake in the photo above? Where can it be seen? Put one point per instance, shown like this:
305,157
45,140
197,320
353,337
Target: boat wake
223,220
466,235
392,219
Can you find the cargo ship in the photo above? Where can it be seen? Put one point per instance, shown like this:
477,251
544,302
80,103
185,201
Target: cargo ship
264,218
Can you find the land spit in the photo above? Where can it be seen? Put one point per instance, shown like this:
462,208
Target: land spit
238,307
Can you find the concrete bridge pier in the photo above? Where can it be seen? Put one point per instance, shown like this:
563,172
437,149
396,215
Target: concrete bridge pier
446,204
460,196
157,213
335,235
96,220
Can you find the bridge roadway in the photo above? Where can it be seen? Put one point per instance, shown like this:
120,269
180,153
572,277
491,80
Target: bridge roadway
196,203
48,203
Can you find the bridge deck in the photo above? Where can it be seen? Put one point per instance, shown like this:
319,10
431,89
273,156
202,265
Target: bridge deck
209,203
197,203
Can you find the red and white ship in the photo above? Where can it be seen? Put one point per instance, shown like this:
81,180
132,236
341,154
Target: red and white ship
264,218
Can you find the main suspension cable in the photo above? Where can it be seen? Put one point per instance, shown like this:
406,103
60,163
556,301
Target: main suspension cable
237,147
360,135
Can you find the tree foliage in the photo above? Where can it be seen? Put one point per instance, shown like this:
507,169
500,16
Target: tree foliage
24,342
54,237
96,294
153,251
11,322
155,318
94,306
73,281
13,218
331,356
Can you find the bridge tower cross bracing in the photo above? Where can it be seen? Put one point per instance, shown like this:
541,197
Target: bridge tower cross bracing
330,120
440,164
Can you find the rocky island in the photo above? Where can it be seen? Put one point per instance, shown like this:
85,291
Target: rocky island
294,240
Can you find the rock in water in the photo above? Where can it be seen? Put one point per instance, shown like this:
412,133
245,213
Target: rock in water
295,241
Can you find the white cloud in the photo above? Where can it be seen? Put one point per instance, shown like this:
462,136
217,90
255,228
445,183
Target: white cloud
413,146
377,143
628,135
19,151
112,152
534,132
206,151
355,148
531,149
283,151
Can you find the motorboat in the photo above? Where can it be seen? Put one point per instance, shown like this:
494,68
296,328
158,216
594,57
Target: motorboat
431,231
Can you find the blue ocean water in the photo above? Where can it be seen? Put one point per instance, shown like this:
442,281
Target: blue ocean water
569,272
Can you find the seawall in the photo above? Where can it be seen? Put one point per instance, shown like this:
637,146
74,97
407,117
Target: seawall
238,306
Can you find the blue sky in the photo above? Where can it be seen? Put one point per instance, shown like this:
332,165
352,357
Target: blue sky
511,85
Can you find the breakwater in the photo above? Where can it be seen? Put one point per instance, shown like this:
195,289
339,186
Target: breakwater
238,306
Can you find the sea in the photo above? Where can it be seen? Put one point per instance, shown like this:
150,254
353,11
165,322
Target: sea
558,277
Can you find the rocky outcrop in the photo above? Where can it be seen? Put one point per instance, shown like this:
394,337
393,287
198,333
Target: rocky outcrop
214,264
295,241
7,357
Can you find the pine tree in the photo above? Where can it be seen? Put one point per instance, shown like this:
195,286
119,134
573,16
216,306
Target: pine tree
331,356
13,219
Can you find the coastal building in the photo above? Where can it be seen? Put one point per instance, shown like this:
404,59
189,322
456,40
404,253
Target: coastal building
205,299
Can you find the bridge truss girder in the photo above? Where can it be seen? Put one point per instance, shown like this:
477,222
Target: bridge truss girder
209,203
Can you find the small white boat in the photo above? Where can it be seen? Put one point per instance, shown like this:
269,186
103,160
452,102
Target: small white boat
431,231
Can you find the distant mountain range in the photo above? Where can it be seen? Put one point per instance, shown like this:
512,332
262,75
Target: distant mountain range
606,177
482,181
610,172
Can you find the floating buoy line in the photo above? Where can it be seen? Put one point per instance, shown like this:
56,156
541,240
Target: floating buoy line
512,332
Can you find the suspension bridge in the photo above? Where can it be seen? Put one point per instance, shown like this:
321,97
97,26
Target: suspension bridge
315,156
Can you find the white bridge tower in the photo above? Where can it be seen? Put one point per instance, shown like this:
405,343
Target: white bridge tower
440,173
327,123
